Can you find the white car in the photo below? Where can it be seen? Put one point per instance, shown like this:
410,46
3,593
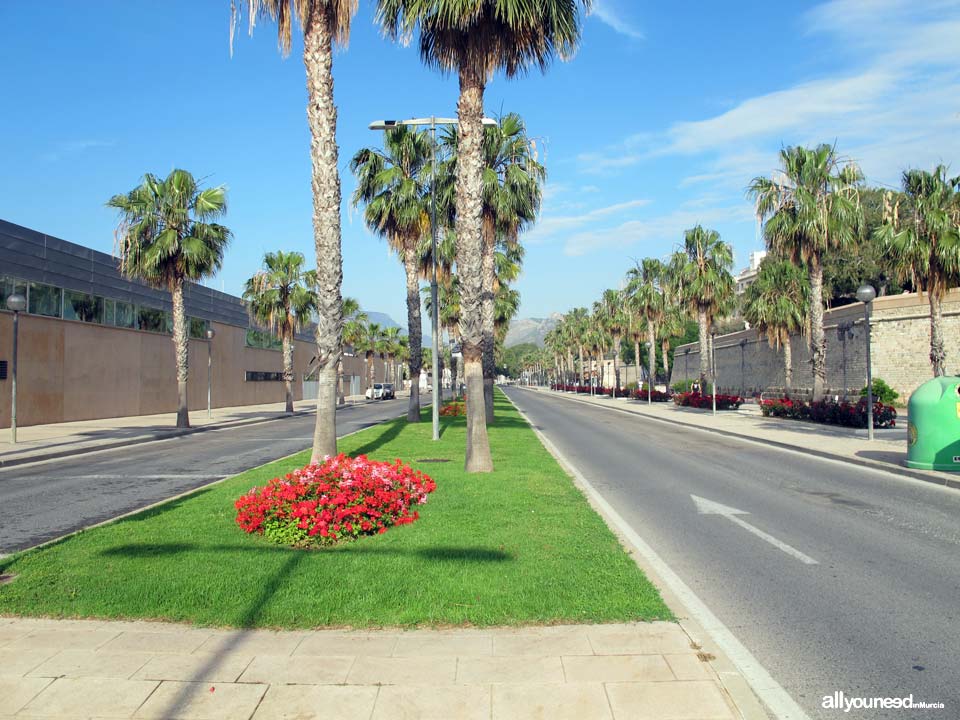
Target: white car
375,392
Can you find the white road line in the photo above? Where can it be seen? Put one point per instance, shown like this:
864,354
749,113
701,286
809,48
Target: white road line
709,507
764,686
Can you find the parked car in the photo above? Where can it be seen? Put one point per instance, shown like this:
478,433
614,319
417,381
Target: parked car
375,392
388,392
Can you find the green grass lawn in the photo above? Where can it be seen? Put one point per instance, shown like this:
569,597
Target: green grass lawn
518,546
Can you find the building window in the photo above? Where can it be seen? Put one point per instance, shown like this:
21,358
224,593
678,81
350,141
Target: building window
45,300
124,315
260,339
152,320
261,376
82,307
198,328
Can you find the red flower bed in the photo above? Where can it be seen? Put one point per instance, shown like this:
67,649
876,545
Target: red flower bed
454,409
655,395
341,499
830,412
705,401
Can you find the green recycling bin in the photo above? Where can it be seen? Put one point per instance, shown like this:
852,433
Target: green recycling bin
933,430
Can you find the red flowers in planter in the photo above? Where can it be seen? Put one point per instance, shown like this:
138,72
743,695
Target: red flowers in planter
704,401
341,499
830,412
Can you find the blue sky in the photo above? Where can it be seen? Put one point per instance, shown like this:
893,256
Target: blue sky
658,123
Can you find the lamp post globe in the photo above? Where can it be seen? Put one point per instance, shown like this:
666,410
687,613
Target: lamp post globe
866,294
16,303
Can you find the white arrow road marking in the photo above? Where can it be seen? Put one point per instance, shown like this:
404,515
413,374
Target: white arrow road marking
709,507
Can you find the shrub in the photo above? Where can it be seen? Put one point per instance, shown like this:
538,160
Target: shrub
683,386
655,396
705,401
881,392
455,408
341,499
830,412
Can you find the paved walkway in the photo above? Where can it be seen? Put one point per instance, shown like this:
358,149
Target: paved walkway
44,442
888,451
94,669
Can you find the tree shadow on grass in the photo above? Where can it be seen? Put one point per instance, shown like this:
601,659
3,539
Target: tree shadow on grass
390,432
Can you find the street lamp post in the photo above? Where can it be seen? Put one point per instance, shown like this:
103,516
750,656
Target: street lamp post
649,377
743,372
210,334
432,121
686,357
866,294
16,303
713,370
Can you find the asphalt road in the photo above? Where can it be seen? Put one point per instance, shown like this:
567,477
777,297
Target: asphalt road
879,612
43,501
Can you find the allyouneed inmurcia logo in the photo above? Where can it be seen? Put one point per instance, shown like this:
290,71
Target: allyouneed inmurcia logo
839,701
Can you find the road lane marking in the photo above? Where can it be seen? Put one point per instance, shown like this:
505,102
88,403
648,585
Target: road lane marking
709,507
776,698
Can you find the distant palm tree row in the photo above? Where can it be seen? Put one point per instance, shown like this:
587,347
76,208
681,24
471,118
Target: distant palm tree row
813,212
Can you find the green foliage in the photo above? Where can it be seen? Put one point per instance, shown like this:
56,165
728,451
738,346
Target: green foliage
776,303
684,386
513,357
881,392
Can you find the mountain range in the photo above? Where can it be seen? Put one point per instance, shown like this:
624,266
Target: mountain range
531,330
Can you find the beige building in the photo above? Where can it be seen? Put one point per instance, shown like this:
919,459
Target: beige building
95,345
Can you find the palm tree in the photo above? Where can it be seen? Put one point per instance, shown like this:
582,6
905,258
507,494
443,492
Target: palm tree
921,230
390,342
776,305
476,40
392,184
323,23
577,321
645,294
613,319
354,320
282,297
166,236
367,339
812,206
512,184
707,284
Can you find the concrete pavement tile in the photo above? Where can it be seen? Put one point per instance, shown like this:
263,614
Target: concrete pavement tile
442,643
64,639
403,671
253,642
459,702
196,667
688,666
102,697
17,692
542,645
616,668
304,670
648,639
693,700
202,701
343,644
10,632
316,702
183,640
480,670
90,663
582,701
15,662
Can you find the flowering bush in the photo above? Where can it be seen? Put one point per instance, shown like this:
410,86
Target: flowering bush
655,395
454,409
341,499
830,412
705,401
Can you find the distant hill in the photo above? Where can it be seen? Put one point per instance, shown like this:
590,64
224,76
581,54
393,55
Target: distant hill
531,330
385,321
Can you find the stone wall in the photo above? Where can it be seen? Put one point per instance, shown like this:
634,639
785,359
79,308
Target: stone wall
900,350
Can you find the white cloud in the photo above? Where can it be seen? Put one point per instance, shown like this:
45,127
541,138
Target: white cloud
549,225
614,14
73,147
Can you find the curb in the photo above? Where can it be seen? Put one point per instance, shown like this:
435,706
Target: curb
174,433
948,482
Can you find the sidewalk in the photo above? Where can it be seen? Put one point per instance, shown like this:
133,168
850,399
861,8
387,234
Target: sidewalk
46,442
79,668
888,451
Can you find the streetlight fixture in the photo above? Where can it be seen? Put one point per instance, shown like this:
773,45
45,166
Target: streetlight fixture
866,294
432,121
649,376
713,370
210,334
16,303
743,371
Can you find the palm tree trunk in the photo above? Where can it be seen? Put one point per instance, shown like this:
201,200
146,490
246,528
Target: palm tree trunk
325,181
938,354
288,368
469,203
665,351
818,341
636,358
787,366
181,347
652,354
616,372
703,331
583,377
487,308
